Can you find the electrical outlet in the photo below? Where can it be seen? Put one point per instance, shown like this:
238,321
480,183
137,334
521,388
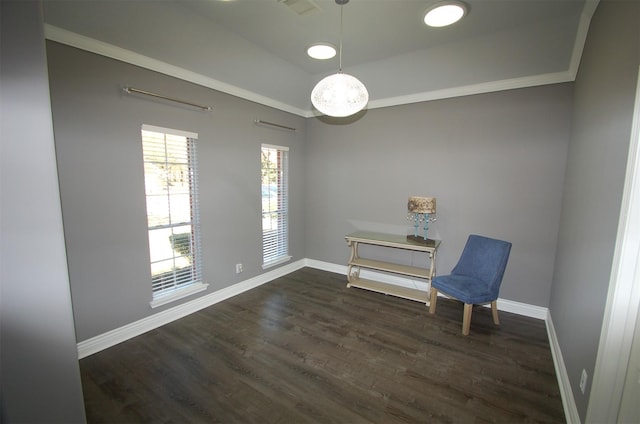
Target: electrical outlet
239,268
583,381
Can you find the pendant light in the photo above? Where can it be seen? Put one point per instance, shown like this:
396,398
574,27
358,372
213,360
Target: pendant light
339,94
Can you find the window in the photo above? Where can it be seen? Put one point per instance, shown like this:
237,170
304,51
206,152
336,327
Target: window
275,208
171,190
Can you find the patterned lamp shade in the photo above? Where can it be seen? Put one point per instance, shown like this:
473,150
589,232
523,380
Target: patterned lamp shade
422,205
339,95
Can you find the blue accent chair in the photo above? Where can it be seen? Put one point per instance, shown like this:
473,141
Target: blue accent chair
476,278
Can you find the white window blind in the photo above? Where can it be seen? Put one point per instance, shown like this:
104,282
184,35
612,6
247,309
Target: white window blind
275,204
171,191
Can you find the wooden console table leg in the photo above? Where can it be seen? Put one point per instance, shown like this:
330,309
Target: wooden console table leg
432,268
352,273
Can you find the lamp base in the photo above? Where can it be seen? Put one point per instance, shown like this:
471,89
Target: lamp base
421,240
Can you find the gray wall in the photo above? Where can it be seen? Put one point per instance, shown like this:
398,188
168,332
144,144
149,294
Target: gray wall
39,373
495,162
603,106
99,151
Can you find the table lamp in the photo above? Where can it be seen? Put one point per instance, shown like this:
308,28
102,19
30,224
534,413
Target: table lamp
420,210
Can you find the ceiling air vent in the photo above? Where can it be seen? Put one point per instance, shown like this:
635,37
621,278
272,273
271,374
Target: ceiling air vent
301,7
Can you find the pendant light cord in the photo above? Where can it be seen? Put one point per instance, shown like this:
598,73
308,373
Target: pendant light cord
341,8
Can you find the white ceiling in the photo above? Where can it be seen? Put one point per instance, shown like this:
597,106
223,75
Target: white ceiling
256,49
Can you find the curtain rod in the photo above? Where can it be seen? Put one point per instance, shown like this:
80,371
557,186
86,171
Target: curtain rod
148,93
258,121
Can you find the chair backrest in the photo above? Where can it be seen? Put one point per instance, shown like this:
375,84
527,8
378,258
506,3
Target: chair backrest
484,258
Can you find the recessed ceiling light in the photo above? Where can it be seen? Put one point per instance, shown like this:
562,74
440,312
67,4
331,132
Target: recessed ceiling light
321,51
445,13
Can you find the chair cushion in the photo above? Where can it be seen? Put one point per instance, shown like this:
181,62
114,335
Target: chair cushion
464,288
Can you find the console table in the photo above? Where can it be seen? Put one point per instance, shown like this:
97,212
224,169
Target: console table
356,263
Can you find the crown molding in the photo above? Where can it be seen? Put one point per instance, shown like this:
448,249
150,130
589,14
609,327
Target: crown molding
581,36
508,84
105,49
480,88
114,52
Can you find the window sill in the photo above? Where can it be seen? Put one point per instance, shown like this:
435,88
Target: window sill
178,294
275,262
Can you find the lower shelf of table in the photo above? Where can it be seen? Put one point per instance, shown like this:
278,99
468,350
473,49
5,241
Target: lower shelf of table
399,291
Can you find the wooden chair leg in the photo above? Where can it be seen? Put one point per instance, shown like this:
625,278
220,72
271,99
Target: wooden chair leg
494,312
466,319
432,300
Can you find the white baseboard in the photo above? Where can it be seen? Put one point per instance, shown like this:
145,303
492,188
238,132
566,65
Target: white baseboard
121,334
126,332
532,311
326,266
568,401
525,309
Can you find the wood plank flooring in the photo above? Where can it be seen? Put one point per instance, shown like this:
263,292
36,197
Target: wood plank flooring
306,349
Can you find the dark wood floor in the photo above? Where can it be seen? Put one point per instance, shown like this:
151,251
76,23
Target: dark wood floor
304,348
